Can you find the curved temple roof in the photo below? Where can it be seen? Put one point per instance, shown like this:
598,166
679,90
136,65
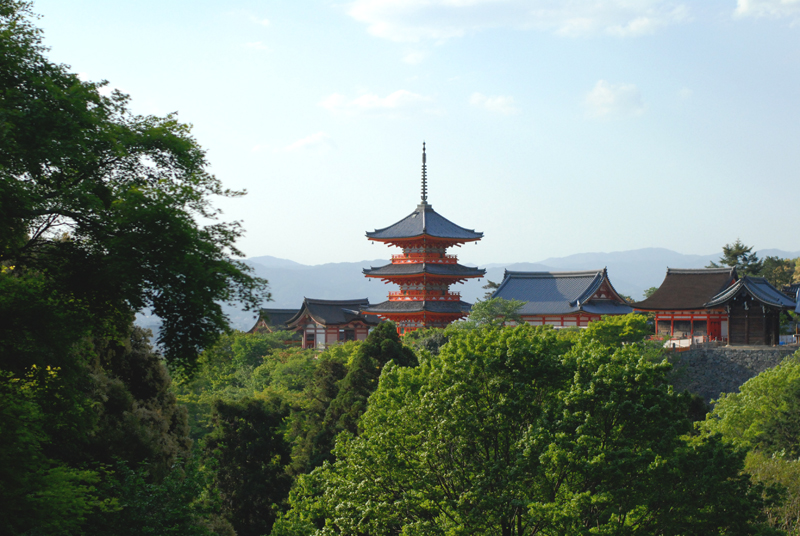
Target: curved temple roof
688,289
330,312
555,293
454,307
425,221
453,270
759,288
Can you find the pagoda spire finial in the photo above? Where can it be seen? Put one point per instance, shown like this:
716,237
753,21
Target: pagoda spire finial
424,176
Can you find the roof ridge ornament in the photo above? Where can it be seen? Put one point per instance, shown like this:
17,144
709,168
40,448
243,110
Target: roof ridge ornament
424,177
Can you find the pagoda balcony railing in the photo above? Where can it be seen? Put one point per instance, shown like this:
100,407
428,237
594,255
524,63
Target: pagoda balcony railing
420,295
415,258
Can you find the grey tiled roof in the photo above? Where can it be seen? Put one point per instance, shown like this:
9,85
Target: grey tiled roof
759,288
419,306
424,268
278,317
688,289
330,312
425,221
554,293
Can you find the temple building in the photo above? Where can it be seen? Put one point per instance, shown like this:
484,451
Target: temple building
424,270
714,304
323,322
754,310
272,320
562,299
679,304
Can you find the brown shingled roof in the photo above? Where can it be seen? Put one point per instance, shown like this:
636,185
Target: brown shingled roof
688,289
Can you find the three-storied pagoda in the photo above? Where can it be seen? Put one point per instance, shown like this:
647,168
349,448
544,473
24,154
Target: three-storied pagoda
424,271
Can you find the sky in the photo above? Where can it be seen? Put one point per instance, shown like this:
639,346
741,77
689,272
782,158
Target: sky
553,126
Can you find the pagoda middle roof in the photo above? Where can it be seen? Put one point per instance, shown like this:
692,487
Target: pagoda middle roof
759,288
455,270
684,289
425,221
418,307
554,293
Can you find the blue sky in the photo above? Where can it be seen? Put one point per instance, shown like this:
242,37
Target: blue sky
555,127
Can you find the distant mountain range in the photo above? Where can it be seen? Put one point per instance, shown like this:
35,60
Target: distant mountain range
631,272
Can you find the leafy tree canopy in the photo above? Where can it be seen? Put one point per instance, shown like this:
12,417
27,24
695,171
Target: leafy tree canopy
513,431
104,205
492,312
741,257
779,272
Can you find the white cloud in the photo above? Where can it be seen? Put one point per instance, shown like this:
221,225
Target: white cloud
417,20
399,100
415,57
256,45
614,100
685,93
768,8
499,104
319,140
262,22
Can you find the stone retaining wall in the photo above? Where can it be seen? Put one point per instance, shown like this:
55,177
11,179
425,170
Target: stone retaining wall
722,369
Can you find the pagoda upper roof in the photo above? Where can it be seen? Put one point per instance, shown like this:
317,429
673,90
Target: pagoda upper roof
686,289
389,307
759,288
557,293
455,270
425,221
332,312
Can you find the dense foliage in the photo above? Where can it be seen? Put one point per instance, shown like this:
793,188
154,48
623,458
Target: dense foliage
764,416
521,431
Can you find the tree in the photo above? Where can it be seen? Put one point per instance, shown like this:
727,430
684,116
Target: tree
492,312
104,205
739,256
650,291
490,286
779,272
513,432
249,455
763,416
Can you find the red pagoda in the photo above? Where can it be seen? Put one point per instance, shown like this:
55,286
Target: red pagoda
424,271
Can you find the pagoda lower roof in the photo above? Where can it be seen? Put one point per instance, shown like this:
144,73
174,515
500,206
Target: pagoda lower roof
411,269
446,307
425,221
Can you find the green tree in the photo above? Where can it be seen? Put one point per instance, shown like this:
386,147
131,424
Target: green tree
763,416
105,205
650,291
618,329
490,287
494,312
249,455
511,431
779,272
38,494
741,257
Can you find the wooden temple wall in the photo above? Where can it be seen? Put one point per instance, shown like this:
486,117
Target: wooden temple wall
754,326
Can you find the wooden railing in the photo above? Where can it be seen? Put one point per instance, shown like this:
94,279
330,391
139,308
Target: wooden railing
419,295
424,257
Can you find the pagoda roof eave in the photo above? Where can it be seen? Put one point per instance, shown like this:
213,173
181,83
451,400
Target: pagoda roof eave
442,271
424,221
